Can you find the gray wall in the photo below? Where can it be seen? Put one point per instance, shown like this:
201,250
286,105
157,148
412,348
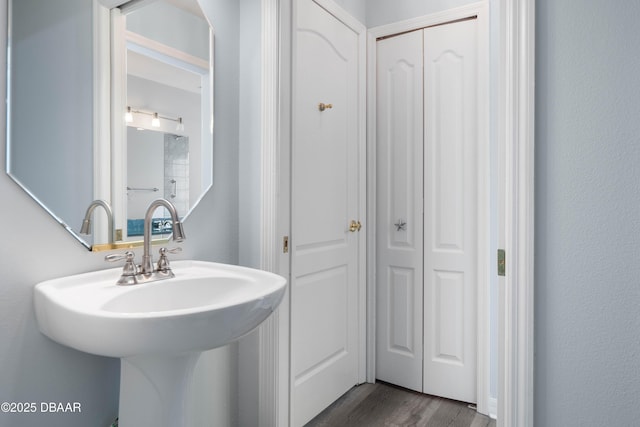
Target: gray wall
250,180
35,248
587,260
380,12
250,132
357,8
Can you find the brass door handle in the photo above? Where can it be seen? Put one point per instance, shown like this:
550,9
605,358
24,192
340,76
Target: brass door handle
322,106
355,226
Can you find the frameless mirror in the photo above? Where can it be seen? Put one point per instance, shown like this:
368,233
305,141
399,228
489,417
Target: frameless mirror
72,139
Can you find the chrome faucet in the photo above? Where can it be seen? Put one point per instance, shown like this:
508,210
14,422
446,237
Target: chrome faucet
86,223
178,232
133,274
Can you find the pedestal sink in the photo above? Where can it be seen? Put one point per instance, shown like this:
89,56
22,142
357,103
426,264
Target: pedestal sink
158,329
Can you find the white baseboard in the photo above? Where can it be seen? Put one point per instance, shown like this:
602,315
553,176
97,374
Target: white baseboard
493,407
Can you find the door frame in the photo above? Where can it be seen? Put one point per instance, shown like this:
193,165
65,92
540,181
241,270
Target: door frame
481,11
275,202
515,136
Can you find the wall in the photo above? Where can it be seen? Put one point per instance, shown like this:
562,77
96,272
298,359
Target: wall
35,248
357,8
250,180
250,133
587,259
380,12
215,390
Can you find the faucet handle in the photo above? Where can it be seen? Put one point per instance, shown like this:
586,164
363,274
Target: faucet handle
163,262
129,270
129,256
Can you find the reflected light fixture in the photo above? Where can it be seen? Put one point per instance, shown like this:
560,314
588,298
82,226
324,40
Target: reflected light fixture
155,118
128,116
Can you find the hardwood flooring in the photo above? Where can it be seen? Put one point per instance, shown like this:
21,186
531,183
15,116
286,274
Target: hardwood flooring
385,405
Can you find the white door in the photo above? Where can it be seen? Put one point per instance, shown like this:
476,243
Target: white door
451,213
399,210
427,210
325,199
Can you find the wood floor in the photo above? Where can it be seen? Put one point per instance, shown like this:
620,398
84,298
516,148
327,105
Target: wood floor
385,405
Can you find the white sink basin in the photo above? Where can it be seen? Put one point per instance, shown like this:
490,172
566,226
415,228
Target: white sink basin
158,329
207,305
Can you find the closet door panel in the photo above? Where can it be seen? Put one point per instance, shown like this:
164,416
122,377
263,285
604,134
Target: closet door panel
450,204
399,210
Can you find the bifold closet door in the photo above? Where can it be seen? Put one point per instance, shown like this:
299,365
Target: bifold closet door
427,210
399,210
450,210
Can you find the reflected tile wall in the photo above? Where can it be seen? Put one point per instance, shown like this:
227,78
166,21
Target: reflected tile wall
176,171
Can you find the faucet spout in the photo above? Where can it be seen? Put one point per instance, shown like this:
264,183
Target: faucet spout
86,223
178,231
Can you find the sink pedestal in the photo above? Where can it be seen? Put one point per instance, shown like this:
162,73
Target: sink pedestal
153,389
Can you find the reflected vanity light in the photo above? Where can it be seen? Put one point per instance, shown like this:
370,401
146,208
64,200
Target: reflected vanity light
155,120
128,116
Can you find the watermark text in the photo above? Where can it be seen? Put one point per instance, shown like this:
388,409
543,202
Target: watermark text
41,407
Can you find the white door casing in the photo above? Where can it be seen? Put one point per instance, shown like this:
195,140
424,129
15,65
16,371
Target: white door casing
516,136
326,196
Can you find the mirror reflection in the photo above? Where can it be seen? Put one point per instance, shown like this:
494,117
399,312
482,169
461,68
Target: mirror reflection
78,148
166,175
49,105
166,112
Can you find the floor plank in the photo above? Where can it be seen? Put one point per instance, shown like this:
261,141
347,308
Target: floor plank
385,405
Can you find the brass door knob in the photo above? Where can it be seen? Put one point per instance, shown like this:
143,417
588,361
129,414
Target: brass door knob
322,106
355,226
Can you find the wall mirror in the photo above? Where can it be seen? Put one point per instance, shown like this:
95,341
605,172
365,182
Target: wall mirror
110,102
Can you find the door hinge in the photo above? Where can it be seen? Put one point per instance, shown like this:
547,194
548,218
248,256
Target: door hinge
285,245
502,262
